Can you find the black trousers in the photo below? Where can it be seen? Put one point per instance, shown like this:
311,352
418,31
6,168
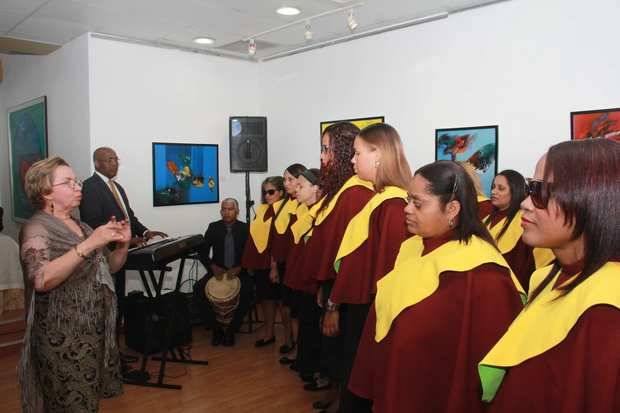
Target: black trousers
246,295
309,345
352,322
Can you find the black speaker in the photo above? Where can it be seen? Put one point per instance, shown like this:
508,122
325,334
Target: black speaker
248,143
156,318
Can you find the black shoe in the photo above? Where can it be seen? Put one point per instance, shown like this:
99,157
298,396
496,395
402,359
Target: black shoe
228,340
318,385
285,348
262,342
136,376
322,404
286,360
308,378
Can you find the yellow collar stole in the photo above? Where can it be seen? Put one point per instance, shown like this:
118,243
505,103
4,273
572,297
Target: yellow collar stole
481,198
416,277
357,230
305,220
542,257
259,228
284,215
351,182
512,235
546,321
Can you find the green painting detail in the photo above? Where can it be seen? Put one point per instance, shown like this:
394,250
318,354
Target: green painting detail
27,145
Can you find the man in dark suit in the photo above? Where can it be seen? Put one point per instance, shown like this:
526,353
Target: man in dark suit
221,253
102,198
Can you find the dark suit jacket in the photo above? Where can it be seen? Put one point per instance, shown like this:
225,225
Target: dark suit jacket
98,205
214,239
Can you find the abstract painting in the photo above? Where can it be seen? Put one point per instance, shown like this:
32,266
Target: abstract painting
359,122
27,145
185,173
602,123
476,145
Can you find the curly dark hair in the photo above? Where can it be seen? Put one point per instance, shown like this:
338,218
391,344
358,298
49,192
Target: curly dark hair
340,169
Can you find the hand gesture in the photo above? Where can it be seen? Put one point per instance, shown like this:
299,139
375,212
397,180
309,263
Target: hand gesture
274,276
113,231
151,234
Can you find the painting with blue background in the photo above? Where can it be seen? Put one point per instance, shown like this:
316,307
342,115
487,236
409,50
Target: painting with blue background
185,174
476,145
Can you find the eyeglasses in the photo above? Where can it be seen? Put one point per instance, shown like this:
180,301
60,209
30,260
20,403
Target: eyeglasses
539,192
269,192
324,148
71,183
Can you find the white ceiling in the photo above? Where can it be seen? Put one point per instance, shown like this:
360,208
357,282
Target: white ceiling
177,22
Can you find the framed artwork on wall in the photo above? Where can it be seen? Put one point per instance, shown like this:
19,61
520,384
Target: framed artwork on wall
359,122
185,173
27,124
476,145
601,123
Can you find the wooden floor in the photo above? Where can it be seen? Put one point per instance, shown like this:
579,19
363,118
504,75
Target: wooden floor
237,380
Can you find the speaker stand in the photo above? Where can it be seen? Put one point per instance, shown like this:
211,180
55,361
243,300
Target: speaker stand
248,198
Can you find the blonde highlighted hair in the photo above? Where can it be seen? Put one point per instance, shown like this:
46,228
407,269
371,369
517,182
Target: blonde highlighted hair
38,180
393,169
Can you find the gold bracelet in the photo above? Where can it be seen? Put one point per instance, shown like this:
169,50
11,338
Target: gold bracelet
79,254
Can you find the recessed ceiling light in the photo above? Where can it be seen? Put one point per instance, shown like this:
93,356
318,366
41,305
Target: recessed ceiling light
288,11
204,40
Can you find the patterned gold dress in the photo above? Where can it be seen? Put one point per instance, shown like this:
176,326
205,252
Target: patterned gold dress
70,358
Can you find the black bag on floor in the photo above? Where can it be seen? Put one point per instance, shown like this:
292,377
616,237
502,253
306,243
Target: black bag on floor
144,314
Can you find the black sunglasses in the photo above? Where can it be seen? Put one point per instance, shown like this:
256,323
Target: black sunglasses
539,192
270,192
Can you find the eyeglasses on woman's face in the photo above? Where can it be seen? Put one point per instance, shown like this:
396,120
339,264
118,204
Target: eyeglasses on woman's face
539,192
269,192
71,183
324,148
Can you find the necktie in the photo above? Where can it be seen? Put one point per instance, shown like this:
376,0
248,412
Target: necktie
117,197
229,248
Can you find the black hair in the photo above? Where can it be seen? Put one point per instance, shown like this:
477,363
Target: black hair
517,187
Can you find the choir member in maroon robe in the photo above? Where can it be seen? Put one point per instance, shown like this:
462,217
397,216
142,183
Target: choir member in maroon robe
344,196
562,353
507,193
281,241
257,255
448,299
379,158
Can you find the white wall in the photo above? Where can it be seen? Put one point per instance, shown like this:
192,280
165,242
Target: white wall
522,64
142,94
63,78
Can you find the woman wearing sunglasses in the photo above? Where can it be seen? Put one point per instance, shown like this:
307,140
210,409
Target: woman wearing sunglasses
257,254
370,244
448,299
504,223
562,353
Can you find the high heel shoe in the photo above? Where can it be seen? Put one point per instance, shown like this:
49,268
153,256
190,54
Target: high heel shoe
262,342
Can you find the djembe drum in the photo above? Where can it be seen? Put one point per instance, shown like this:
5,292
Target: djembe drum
223,294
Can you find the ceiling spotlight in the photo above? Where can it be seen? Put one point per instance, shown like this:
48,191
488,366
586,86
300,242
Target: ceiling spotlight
204,40
308,32
252,47
288,11
351,21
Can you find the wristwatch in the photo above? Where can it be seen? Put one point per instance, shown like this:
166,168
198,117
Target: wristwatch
331,306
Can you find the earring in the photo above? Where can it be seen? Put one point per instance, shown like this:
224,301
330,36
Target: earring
451,222
52,208
377,163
